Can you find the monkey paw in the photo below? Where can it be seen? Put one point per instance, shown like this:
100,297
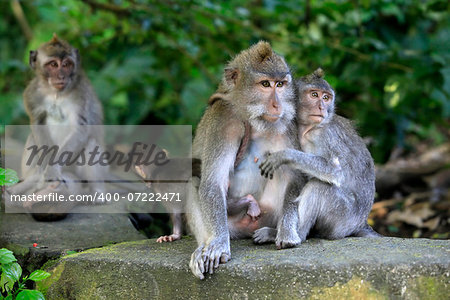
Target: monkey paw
168,238
271,163
264,235
196,264
207,258
287,239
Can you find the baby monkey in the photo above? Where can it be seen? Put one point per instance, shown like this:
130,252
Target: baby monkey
339,194
242,212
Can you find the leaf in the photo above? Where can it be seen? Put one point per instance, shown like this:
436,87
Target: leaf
38,275
6,283
30,295
6,256
12,271
8,177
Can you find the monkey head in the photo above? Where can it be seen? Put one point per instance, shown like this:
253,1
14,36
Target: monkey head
259,84
316,99
56,63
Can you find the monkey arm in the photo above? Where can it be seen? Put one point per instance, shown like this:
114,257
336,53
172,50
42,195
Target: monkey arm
76,140
313,165
216,168
217,142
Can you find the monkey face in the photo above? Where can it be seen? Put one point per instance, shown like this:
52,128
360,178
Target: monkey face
268,97
316,106
58,72
268,101
271,92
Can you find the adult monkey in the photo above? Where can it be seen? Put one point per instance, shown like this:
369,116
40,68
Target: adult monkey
60,97
250,114
338,197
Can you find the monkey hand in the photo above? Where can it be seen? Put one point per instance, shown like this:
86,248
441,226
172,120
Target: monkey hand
272,162
206,258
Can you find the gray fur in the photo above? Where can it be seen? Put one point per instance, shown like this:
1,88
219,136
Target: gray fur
217,142
337,199
70,108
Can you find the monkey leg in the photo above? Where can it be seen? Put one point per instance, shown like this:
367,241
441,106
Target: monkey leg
177,223
95,175
366,231
29,185
29,168
287,235
327,211
309,206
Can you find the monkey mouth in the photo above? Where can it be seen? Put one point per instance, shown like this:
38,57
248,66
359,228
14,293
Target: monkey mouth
271,118
59,85
319,116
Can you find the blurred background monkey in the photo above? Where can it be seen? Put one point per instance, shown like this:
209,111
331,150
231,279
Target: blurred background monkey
61,97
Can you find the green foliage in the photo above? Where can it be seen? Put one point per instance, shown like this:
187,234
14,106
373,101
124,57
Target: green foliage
157,62
10,279
8,177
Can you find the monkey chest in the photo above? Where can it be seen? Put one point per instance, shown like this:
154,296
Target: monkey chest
247,177
60,118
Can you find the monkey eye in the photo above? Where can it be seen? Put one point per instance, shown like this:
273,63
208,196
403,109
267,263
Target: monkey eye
53,64
280,84
315,94
265,83
66,64
326,97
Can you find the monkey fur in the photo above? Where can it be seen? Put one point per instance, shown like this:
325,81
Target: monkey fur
256,91
59,101
339,194
159,181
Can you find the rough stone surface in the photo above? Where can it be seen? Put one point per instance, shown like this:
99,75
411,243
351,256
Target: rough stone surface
77,232
353,268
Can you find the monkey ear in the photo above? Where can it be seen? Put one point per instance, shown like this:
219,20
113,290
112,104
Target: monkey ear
319,73
54,39
231,75
33,57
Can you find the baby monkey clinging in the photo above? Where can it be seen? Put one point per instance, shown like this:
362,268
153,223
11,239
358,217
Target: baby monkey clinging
337,199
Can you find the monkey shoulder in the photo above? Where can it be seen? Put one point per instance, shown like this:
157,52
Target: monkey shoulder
344,130
32,98
221,121
89,104
350,147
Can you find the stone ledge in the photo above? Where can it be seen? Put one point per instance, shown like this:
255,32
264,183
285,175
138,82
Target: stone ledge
352,268
79,231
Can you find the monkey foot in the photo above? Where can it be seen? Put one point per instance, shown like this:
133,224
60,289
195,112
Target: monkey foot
168,238
264,235
287,238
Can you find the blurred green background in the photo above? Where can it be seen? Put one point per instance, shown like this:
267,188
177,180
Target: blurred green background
157,62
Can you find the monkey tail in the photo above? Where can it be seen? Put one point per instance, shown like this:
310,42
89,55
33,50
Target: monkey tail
367,231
